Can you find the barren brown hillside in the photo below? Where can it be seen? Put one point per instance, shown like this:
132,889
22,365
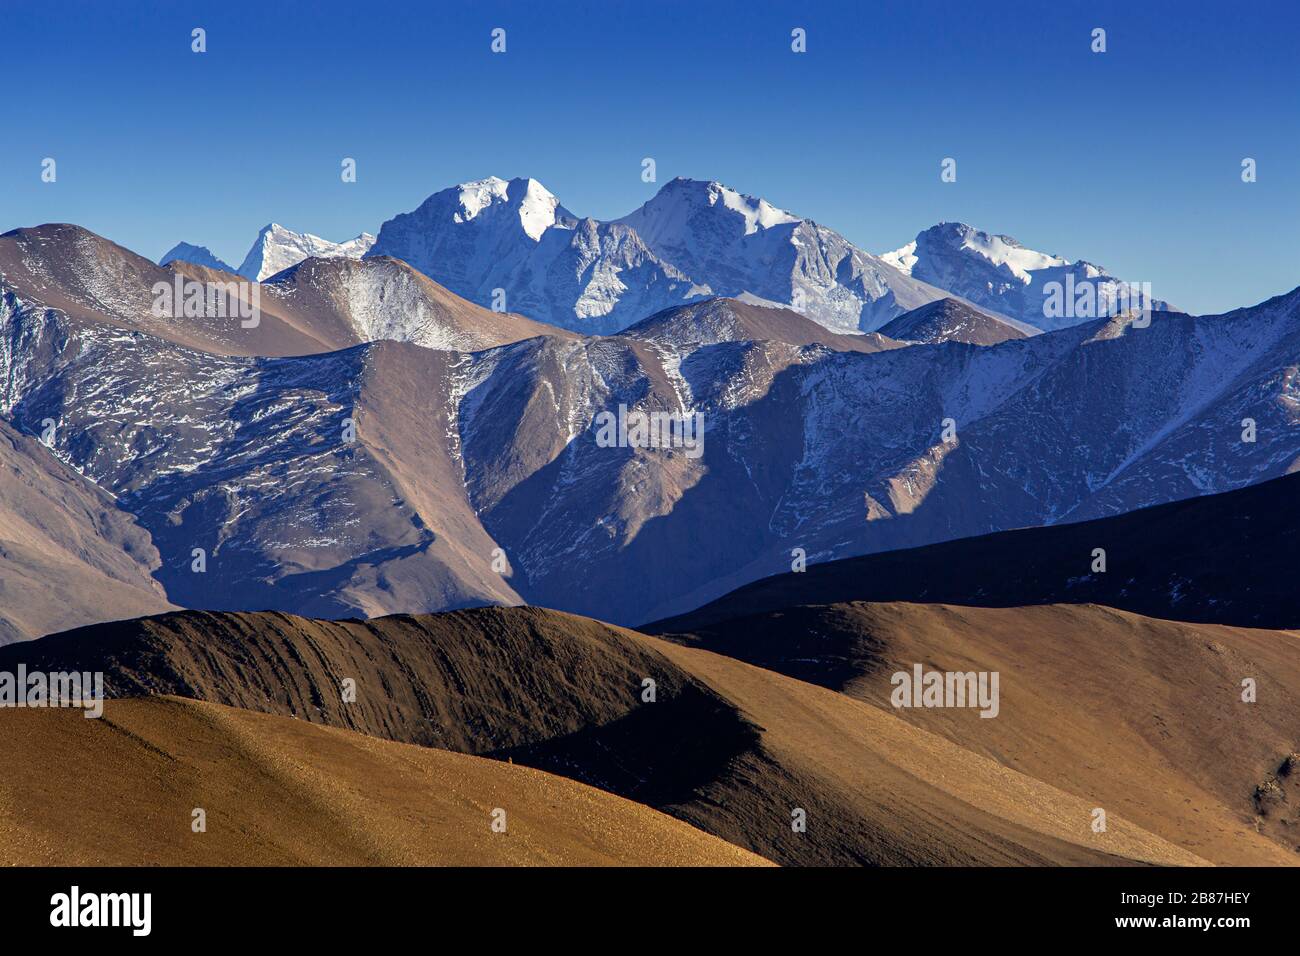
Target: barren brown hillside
1137,715
68,555
121,790
729,747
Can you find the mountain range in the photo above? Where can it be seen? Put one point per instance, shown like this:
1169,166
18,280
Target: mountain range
470,472
513,245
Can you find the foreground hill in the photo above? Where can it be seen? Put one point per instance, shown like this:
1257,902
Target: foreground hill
730,748
280,792
1226,558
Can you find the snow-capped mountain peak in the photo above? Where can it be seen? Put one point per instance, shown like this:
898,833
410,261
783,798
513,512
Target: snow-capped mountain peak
999,273
199,255
510,244
998,250
671,209
277,248
536,206
478,195
903,258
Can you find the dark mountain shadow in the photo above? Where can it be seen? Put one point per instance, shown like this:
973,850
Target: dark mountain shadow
1218,559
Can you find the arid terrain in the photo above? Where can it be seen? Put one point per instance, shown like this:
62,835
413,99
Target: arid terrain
1156,735
122,791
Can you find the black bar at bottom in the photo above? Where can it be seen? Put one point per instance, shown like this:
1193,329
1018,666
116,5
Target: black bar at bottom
331,906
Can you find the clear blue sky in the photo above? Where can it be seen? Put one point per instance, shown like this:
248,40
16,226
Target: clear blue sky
1130,159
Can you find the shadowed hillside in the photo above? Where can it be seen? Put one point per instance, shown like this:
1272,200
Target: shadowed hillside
1226,558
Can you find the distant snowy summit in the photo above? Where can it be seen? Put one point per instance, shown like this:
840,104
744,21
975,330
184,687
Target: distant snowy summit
277,248
274,250
199,255
998,273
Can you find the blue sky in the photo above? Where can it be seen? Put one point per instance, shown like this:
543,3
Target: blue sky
1130,159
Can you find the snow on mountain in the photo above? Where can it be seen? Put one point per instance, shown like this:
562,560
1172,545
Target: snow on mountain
199,255
347,301
459,236
840,452
998,273
535,206
250,459
277,248
671,220
491,237
512,245
741,245
207,442
63,538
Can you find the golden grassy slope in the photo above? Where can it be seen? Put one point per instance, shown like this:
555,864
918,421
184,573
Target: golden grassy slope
728,747
120,791
1140,716
889,792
